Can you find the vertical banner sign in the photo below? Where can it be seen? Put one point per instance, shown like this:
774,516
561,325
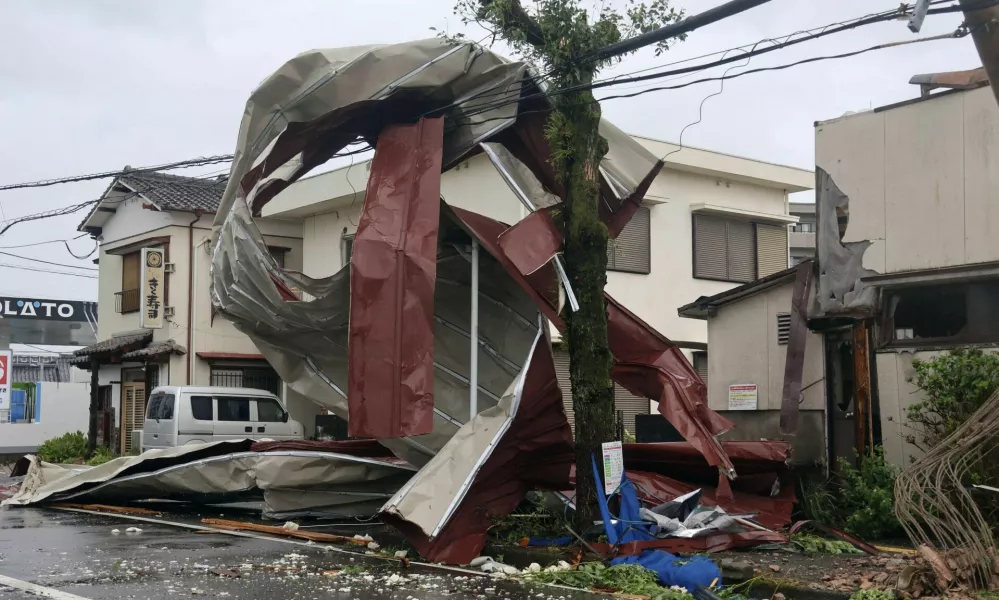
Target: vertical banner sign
151,313
613,466
6,377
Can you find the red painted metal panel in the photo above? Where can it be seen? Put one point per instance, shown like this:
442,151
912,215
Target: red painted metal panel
393,271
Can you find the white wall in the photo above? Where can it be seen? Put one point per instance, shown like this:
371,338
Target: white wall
65,408
132,224
654,297
922,171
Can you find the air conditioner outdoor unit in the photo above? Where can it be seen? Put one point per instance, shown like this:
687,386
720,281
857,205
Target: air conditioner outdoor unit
136,441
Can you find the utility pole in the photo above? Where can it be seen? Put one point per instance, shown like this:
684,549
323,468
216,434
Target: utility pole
984,25
574,50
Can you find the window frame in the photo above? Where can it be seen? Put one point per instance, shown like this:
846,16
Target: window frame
612,247
283,414
211,406
218,409
693,250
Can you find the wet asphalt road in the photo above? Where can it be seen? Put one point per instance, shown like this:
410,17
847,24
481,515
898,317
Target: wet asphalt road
78,554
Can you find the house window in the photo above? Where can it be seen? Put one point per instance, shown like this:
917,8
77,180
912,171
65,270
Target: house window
346,249
127,300
783,328
701,365
278,254
736,250
803,227
631,252
258,378
956,313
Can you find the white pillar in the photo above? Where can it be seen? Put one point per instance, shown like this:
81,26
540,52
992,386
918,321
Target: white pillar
473,363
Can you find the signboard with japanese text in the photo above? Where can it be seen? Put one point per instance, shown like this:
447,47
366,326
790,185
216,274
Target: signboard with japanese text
743,396
6,376
613,466
151,293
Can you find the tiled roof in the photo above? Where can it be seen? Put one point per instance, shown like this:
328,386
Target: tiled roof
167,347
115,343
174,192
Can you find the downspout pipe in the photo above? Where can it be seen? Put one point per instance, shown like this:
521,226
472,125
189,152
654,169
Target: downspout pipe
190,290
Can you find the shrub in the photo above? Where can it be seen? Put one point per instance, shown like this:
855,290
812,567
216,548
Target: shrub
860,500
101,456
67,448
955,385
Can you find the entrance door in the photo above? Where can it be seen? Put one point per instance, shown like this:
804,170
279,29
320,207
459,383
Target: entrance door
841,411
133,413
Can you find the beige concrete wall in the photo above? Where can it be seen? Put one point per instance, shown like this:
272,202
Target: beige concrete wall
924,171
743,348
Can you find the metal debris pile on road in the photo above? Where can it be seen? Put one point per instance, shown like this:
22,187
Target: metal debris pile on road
466,400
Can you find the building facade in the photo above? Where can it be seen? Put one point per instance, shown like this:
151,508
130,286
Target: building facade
194,346
908,220
801,237
709,222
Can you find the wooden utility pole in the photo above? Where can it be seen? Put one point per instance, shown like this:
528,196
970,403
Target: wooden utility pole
984,25
94,393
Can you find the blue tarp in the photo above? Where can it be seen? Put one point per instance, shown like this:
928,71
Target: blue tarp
629,527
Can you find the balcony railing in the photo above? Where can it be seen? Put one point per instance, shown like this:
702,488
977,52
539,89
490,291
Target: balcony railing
126,301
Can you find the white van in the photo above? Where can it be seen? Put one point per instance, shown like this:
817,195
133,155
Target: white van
176,416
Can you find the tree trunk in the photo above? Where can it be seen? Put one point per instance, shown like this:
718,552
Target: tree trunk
586,264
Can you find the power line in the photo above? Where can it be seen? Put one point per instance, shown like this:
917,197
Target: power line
46,262
620,79
43,243
956,34
23,268
181,164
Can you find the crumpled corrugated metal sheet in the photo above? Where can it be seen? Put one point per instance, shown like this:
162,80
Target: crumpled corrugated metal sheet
393,272
291,483
316,105
532,449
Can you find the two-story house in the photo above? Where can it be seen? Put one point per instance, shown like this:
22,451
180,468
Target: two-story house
709,222
193,346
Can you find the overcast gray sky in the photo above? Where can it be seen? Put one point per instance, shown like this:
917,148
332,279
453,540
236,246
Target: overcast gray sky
93,85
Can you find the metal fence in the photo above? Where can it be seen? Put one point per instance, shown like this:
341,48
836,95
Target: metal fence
257,378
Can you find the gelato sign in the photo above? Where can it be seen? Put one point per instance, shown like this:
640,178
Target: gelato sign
51,310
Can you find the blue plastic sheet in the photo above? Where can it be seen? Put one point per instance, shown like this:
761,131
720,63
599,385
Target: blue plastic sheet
629,526
671,570
564,540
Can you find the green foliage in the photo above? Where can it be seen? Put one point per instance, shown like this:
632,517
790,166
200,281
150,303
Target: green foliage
626,579
873,594
562,35
813,544
955,385
101,456
67,448
532,519
352,570
861,500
